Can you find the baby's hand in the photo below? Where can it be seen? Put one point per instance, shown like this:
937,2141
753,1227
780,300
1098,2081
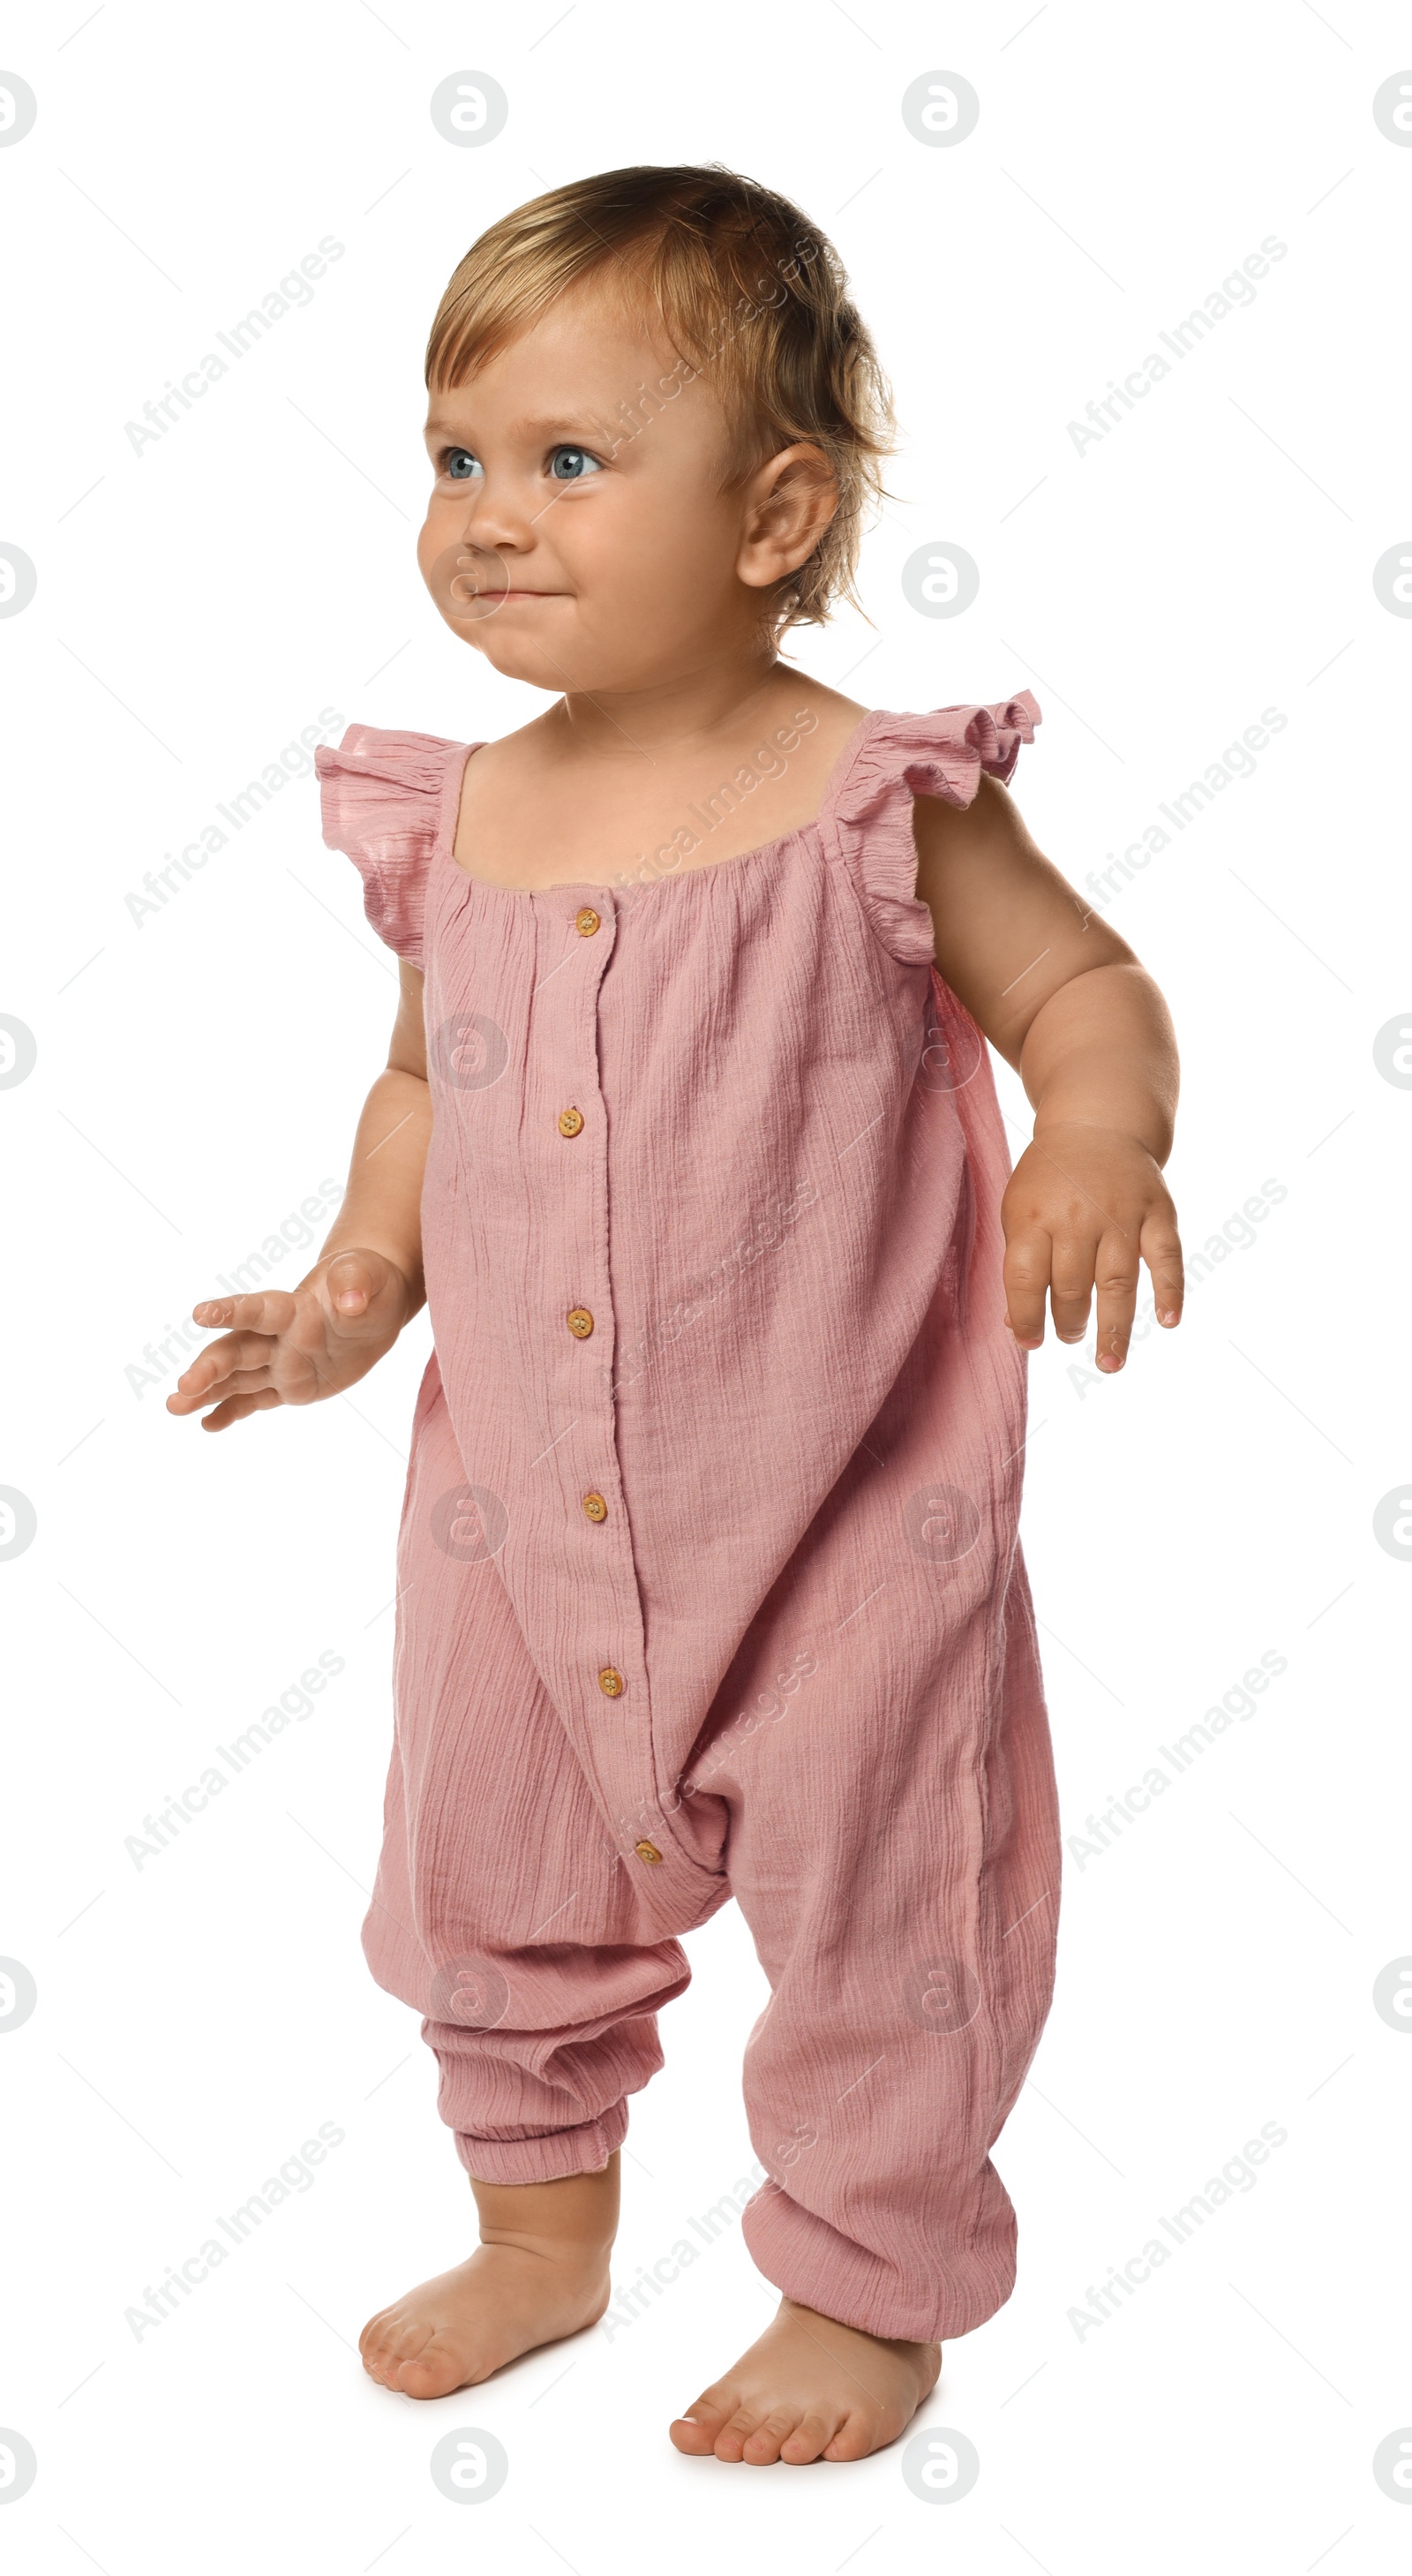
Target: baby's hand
1083,1205
292,1346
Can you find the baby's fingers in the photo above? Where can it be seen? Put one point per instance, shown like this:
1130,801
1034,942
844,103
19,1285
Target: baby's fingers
1162,1251
272,1311
1115,1278
235,1407
1027,1263
214,1370
352,1282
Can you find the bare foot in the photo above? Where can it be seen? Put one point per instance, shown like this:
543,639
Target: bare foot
810,2389
541,2271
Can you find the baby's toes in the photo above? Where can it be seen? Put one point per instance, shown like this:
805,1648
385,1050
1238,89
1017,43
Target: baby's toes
853,2440
375,2343
433,2370
736,2431
695,2432
762,2447
808,2440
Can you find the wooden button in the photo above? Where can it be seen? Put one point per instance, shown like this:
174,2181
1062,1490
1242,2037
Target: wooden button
570,1121
580,1322
595,1507
611,1682
647,1851
586,922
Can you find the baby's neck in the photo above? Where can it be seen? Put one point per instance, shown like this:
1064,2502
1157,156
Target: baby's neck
699,705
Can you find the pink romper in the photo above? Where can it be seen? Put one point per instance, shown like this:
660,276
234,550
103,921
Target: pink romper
708,1576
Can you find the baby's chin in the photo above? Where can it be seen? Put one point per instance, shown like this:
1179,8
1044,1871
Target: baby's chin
517,654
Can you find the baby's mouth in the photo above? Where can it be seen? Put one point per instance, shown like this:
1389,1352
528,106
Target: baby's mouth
469,585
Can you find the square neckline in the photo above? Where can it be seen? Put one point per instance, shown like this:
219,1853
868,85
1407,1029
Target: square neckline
445,847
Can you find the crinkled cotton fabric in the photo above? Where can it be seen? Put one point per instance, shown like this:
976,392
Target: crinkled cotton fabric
709,1581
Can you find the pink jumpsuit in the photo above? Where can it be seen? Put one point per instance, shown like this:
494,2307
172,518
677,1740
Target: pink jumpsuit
708,1576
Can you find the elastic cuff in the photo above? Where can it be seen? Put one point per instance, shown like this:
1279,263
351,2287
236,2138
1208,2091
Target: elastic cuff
548,2157
808,2261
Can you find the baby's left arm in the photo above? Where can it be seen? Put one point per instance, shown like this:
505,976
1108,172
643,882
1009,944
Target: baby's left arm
1068,1005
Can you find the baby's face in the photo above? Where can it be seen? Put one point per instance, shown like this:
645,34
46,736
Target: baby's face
577,532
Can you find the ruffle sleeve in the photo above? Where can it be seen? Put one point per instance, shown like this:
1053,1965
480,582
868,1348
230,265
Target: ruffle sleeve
383,796
902,756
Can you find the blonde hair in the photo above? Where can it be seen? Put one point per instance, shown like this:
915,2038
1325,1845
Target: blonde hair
743,283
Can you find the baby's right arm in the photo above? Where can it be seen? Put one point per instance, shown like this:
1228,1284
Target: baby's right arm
292,1346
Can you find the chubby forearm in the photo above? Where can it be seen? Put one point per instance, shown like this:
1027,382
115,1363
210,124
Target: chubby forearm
1101,1052
381,1209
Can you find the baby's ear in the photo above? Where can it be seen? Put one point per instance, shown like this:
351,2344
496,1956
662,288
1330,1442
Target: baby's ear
789,503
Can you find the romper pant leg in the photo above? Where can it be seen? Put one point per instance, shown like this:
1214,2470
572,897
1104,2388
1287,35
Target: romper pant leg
501,1910
894,1847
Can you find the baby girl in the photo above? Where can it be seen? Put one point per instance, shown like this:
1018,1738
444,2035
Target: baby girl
708,1576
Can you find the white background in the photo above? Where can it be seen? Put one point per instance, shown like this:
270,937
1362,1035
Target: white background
199,1074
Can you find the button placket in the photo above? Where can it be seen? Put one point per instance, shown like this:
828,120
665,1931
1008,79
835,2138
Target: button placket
604,1647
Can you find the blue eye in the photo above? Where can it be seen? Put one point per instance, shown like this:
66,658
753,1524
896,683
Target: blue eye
458,465
571,464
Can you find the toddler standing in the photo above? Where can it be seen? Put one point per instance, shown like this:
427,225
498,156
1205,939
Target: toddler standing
708,1575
